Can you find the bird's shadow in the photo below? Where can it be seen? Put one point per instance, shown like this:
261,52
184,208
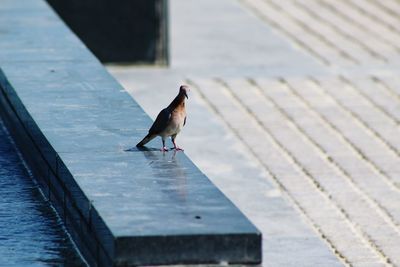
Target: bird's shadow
144,149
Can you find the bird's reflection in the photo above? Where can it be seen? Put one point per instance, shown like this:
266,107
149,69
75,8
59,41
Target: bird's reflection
171,176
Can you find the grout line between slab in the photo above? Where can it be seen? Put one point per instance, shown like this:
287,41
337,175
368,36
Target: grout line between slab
346,139
339,31
316,34
289,35
366,237
384,213
276,180
370,100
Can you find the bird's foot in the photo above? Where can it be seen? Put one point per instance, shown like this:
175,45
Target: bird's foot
164,149
178,148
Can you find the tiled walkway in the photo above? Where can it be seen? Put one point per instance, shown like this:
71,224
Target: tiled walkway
338,33
294,115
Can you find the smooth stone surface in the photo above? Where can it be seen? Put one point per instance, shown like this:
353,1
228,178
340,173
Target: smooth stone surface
165,189
76,127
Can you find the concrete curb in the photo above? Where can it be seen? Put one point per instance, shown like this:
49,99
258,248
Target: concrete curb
75,124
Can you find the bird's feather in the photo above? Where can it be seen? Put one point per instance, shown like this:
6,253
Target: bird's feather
161,121
146,139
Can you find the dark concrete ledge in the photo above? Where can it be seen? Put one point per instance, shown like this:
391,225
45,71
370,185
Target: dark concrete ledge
130,31
73,123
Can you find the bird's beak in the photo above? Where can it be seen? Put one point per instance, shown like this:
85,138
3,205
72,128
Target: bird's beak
186,95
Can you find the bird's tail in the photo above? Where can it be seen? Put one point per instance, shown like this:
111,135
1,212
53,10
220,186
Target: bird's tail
145,140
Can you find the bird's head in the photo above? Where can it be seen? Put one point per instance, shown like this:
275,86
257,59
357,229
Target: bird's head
184,89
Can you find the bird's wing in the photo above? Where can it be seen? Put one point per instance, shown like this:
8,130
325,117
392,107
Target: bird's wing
161,121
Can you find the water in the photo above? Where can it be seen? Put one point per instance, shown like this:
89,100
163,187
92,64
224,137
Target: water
30,232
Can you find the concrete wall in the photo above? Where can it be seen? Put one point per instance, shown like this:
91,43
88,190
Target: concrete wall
131,31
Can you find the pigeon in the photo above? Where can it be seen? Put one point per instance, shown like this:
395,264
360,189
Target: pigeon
169,121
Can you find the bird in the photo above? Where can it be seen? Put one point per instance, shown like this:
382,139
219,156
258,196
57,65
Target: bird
169,121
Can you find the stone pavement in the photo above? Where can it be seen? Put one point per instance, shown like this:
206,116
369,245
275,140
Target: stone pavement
294,114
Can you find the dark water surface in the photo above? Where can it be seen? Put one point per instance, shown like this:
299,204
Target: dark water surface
30,232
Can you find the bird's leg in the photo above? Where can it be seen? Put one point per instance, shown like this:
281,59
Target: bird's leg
164,148
175,146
